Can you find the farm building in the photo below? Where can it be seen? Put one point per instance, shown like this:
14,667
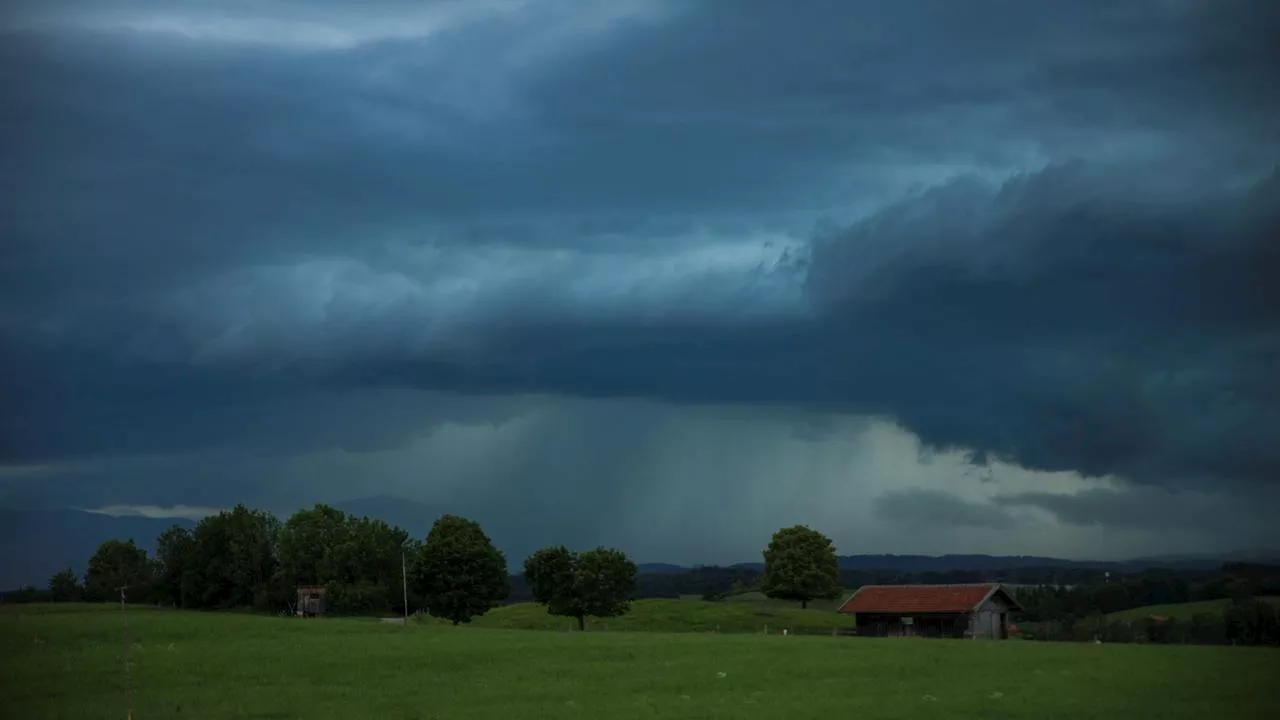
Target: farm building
310,600
959,611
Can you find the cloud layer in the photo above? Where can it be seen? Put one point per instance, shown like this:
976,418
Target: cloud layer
1047,241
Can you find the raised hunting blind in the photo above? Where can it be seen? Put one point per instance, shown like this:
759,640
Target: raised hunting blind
310,601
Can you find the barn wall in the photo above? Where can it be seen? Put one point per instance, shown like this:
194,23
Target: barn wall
986,621
931,625
986,624
879,625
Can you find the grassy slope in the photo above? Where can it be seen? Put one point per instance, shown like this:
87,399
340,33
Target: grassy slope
1179,611
760,599
68,664
677,616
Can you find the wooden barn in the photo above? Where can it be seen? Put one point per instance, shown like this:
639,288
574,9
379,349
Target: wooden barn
955,611
310,601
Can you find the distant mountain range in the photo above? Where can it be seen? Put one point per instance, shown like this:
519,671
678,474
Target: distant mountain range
981,563
34,544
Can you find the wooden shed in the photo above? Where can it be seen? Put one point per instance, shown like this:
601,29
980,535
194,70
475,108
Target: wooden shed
310,601
956,611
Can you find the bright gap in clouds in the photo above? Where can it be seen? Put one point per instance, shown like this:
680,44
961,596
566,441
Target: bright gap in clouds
182,512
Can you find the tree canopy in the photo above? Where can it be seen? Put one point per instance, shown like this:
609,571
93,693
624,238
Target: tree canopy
178,566
117,564
800,564
64,586
236,552
596,583
460,574
357,559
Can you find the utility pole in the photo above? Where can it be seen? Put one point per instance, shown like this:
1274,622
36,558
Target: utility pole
404,586
128,674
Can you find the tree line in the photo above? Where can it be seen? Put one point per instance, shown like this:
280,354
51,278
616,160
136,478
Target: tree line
245,558
1243,621
1107,594
1081,613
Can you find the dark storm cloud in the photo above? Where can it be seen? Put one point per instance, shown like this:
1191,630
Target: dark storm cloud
920,507
1112,316
1247,520
1060,321
248,152
77,402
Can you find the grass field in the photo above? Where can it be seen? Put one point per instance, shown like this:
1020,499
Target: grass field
678,616
1180,611
759,599
66,662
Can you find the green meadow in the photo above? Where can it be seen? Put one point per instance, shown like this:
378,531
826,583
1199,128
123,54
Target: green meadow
659,615
67,662
1180,611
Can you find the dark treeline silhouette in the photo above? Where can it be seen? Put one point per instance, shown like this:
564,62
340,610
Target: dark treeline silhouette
1081,612
1243,621
714,582
245,558
1149,587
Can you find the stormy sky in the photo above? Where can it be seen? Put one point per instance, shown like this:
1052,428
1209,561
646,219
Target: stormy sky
929,276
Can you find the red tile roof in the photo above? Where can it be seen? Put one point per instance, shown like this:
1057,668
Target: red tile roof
912,599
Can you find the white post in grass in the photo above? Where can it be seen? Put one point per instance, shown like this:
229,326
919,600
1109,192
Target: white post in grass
128,675
404,587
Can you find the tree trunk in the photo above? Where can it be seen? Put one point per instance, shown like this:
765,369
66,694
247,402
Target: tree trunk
804,604
582,623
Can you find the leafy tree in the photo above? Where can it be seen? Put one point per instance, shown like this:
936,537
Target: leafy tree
1206,628
460,574
596,583
64,587
236,556
357,558
306,542
177,566
800,564
117,564
371,560
1252,622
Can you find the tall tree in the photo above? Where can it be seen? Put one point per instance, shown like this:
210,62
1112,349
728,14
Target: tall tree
64,587
460,574
306,544
596,583
357,559
800,564
117,564
177,561
237,559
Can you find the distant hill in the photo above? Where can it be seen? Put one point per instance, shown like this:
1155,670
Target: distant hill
1181,611
1210,561
982,563
660,568
34,544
